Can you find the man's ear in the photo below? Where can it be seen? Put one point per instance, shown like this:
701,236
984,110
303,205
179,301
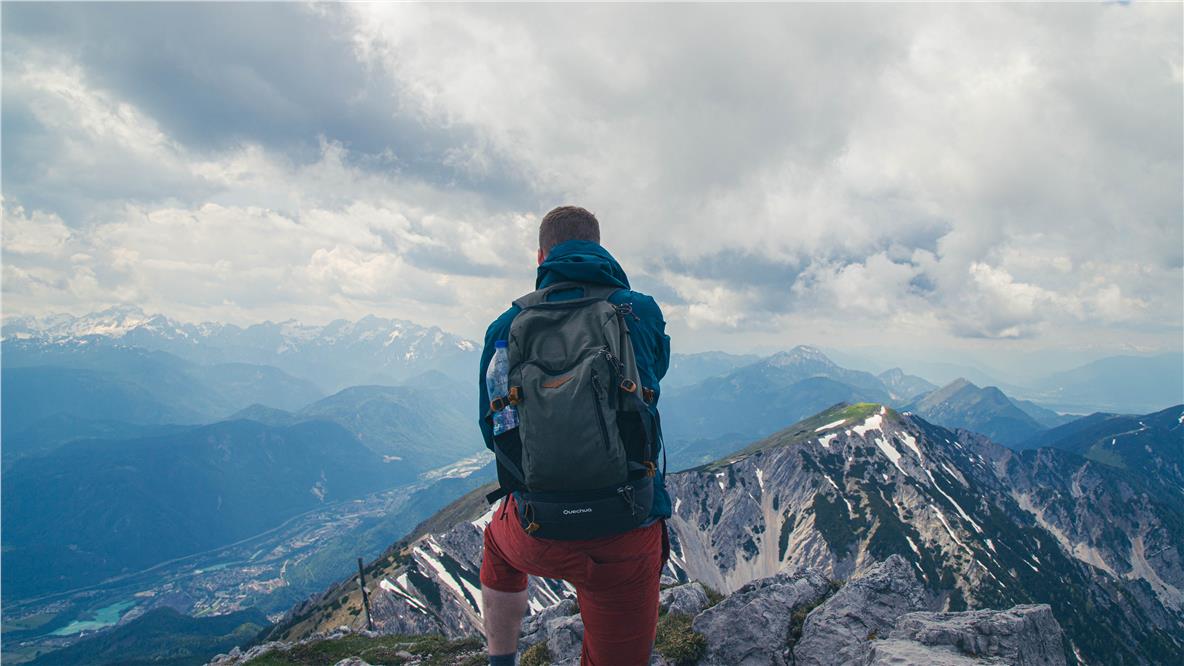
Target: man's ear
541,256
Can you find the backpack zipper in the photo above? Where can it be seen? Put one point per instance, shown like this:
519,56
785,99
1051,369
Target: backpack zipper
596,392
616,365
626,493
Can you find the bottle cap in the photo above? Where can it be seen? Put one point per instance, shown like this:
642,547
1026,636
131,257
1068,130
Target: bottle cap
500,344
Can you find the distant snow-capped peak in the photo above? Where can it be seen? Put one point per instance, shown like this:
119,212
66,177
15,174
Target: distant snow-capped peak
121,320
113,322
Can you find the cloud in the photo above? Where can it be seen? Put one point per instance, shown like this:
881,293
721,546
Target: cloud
38,234
255,234
957,172
954,131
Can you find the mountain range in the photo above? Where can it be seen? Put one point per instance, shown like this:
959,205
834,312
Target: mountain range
135,384
689,369
1130,384
705,420
333,356
988,411
1150,447
131,440
423,424
375,350
980,527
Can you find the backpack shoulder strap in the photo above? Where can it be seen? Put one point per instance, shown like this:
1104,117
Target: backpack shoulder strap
592,292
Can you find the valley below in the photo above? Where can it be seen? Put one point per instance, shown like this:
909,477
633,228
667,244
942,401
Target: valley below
270,571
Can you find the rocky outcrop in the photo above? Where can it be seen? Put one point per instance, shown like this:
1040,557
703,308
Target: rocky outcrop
752,625
1022,636
872,620
687,599
841,631
560,627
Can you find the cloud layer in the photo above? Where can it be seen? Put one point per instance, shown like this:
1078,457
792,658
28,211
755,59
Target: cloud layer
900,175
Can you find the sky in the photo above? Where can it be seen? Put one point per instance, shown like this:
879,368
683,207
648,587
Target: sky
994,181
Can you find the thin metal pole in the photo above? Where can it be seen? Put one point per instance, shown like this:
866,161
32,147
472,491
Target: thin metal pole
365,597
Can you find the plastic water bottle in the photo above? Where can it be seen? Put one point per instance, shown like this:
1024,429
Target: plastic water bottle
497,382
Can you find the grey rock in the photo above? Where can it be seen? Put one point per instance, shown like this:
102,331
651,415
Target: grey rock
1023,636
352,661
565,638
238,656
534,624
840,631
394,613
895,652
687,599
227,658
560,627
751,626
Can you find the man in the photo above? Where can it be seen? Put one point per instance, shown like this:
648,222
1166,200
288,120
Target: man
616,577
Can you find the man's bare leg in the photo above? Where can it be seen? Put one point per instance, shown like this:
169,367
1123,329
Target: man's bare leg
502,614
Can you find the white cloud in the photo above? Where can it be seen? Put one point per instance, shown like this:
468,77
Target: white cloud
38,233
984,171
965,127
274,238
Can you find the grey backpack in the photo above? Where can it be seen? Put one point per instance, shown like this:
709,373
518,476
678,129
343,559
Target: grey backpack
585,443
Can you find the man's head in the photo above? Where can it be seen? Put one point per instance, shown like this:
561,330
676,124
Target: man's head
566,223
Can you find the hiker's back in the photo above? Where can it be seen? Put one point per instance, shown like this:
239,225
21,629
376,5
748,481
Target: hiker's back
587,438
586,496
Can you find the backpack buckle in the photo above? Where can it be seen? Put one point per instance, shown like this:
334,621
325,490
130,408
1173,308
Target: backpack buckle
647,394
498,404
626,309
628,385
650,468
515,395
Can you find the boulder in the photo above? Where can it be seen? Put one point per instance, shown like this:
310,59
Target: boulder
1026,635
687,599
560,627
751,626
841,630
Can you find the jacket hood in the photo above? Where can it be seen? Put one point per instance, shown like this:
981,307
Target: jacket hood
580,261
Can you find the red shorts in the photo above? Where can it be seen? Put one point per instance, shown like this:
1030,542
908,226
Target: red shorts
616,580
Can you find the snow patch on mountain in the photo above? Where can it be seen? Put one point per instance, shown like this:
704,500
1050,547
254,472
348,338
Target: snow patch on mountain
961,512
874,422
830,425
890,451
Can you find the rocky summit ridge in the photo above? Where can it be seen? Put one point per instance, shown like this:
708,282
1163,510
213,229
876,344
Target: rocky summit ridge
800,618
954,551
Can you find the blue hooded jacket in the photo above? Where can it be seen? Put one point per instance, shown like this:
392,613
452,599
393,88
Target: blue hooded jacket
586,261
